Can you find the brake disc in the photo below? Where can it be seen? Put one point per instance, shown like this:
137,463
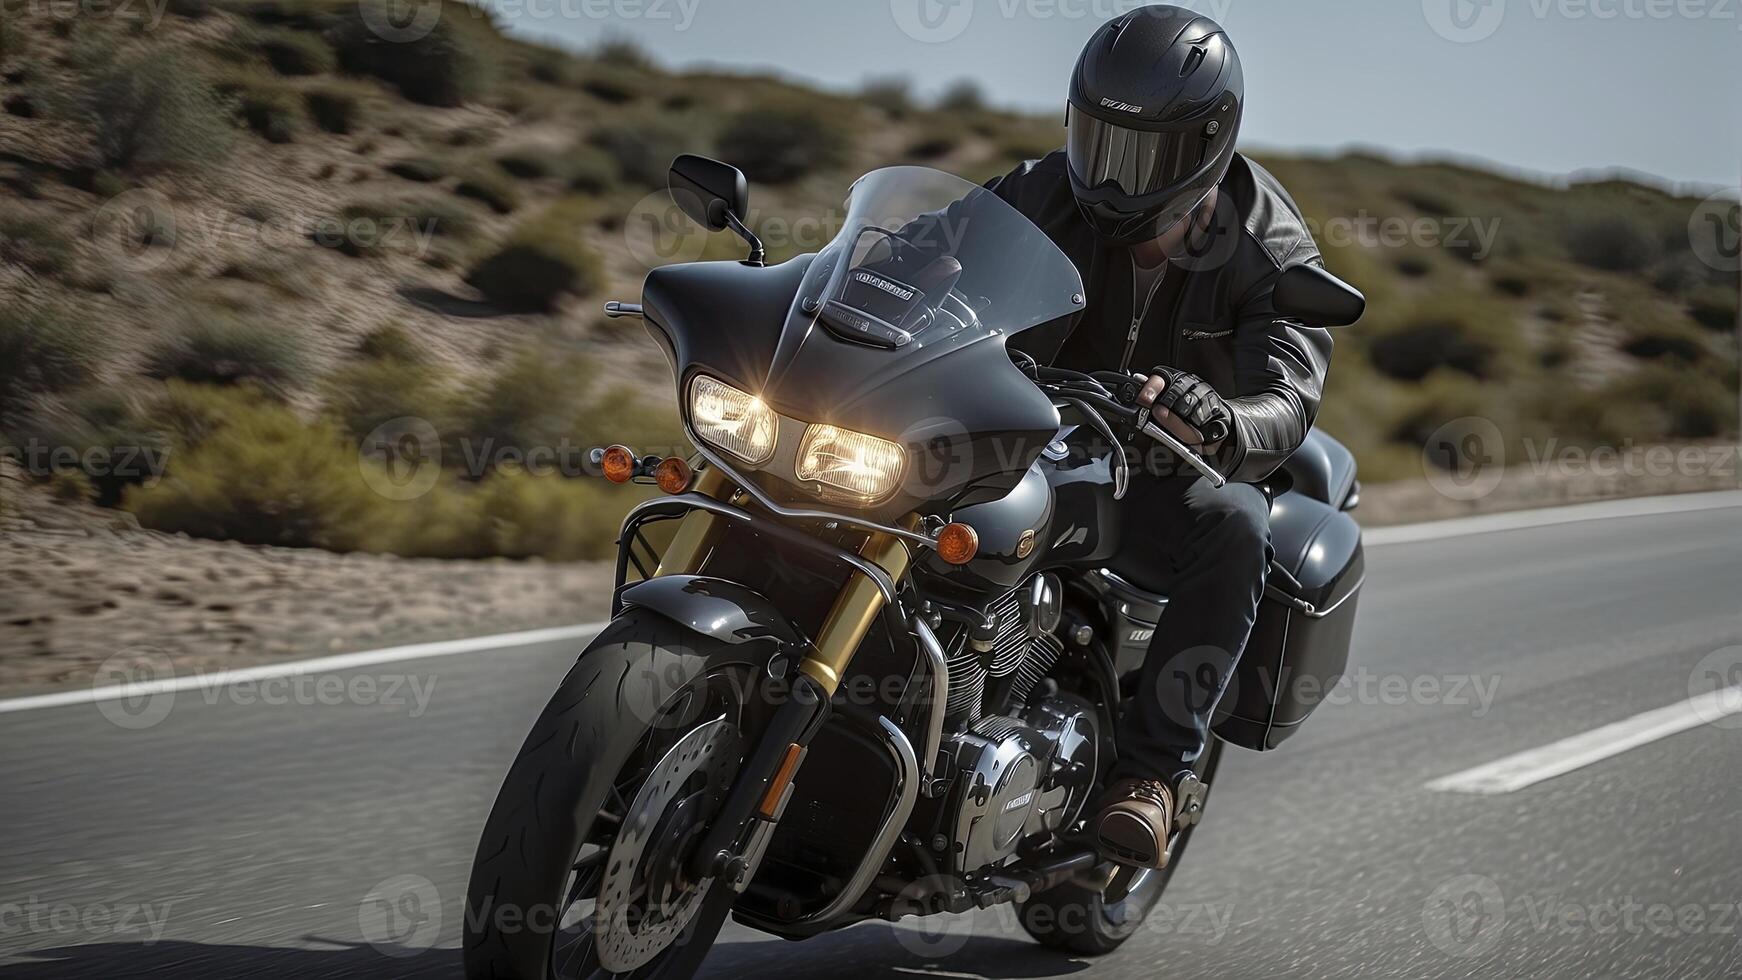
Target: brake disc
638,916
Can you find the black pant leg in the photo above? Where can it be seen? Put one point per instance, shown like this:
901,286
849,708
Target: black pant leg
1208,551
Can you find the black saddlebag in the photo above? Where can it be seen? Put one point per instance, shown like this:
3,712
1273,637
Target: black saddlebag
1300,644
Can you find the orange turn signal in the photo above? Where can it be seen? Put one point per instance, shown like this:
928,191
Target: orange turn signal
958,543
618,464
672,474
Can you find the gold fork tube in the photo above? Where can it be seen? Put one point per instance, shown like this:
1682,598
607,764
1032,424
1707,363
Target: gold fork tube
855,609
695,533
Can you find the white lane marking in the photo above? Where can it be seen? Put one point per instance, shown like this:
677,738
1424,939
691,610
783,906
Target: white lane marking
1528,768
294,668
1545,517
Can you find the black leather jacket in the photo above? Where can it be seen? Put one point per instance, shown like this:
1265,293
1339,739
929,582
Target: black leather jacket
1221,326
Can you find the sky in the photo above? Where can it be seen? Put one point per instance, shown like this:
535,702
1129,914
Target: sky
1545,87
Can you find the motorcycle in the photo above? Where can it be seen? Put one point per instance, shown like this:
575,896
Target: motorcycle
866,656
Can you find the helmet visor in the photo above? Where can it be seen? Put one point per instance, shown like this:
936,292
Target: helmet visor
1137,161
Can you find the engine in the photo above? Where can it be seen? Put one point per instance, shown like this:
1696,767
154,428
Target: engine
1026,769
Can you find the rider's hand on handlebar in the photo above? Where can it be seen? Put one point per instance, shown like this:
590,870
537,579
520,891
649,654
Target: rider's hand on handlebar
1185,405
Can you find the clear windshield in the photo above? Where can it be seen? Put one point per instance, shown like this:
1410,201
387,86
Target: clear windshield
924,257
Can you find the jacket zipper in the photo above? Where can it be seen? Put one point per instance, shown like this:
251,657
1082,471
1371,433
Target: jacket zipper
1142,313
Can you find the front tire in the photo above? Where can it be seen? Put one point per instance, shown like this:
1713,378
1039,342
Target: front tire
636,691
1078,918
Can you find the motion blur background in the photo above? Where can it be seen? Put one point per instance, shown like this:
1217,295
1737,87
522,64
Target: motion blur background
326,276
302,351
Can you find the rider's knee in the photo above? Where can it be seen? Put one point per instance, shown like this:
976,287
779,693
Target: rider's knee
1241,528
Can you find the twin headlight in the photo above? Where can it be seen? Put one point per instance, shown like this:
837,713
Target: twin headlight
861,466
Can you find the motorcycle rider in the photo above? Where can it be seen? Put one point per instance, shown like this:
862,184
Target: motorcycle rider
1179,240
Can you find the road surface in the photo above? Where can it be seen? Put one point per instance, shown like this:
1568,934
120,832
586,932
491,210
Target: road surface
251,832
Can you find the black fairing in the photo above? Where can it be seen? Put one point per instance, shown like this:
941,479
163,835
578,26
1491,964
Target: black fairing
971,419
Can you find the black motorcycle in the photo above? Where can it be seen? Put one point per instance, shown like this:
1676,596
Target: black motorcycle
866,658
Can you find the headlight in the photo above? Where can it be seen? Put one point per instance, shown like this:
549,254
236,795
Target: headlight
729,419
865,466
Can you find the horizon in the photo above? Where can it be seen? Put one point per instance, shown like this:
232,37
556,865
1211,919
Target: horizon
1019,52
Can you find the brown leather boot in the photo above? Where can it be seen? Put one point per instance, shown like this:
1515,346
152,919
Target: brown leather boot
1134,820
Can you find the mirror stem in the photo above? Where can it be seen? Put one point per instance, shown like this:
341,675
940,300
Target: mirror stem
758,255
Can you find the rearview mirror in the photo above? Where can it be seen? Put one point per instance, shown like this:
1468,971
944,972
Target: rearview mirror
709,191
1313,296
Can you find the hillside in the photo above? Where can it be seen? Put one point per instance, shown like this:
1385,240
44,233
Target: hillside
240,240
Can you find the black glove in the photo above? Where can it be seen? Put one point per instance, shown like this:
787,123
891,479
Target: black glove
1200,406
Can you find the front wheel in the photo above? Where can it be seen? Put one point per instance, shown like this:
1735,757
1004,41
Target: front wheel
1078,917
581,871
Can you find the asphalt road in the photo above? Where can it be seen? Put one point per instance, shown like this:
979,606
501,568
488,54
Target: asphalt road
238,838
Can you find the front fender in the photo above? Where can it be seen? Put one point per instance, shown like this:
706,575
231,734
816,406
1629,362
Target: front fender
716,608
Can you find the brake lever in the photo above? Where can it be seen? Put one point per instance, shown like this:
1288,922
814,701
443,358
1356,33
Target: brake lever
1184,452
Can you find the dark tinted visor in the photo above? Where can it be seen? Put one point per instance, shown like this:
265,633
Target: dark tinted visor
1138,162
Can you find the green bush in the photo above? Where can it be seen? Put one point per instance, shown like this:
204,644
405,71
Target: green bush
219,349
366,395
333,110
72,487
408,225
892,94
589,171
778,145
1612,243
1664,343
962,96
547,516
542,261
35,245
191,9
105,436
531,163
622,52
263,475
391,342
438,69
292,52
643,150
14,42
935,142
1412,352
271,112
44,349
156,111
1714,308
492,190
422,170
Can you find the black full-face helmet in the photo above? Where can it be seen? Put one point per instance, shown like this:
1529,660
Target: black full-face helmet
1154,110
